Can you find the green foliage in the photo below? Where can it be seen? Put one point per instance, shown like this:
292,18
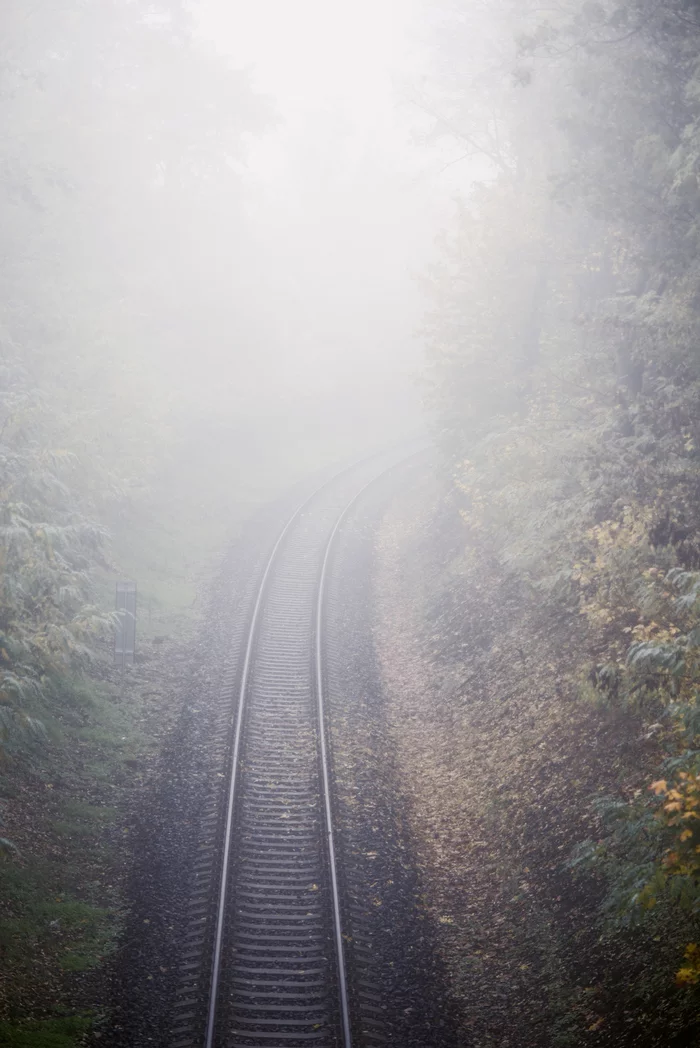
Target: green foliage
47,552
662,672
650,847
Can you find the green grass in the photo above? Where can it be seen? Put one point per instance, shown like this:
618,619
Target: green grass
64,1032
51,908
44,916
91,715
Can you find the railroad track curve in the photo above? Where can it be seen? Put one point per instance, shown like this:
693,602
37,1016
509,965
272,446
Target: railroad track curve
264,949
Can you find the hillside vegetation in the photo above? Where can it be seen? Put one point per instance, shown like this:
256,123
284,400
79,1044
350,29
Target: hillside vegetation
565,384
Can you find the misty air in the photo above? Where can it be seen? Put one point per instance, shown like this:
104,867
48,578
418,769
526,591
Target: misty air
349,524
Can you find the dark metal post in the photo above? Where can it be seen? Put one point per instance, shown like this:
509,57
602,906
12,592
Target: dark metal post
125,639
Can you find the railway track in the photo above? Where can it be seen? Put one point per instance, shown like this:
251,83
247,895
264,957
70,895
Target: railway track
265,942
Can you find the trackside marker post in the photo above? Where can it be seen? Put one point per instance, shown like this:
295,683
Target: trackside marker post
125,634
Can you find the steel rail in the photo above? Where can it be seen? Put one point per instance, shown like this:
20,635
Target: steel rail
325,775
235,759
225,864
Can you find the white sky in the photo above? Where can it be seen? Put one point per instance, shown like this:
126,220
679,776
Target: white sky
359,58
304,52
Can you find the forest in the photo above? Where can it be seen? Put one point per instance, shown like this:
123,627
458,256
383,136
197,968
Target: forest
501,250
562,348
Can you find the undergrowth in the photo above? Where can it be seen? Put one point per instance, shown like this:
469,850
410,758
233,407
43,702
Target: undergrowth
649,849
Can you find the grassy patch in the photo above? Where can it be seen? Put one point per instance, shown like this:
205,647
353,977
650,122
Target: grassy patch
82,819
91,718
39,916
59,908
63,1032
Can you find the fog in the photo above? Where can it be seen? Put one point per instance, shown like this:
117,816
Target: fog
217,220
272,257
339,215
244,243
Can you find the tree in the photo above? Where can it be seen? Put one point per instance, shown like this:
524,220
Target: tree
121,148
